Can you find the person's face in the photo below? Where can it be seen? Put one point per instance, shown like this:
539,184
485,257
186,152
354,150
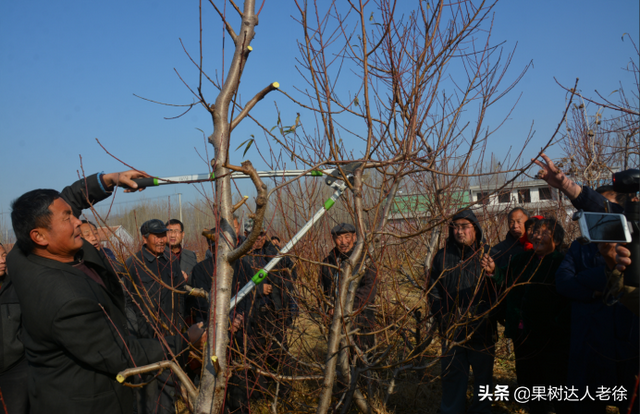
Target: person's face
88,233
611,196
236,226
516,223
464,232
259,244
62,239
3,261
345,242
543,243
174,235
156,242
275,242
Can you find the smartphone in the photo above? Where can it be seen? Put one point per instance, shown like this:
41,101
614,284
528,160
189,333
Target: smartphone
602,227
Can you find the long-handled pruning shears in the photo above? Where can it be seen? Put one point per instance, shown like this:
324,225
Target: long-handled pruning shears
334,180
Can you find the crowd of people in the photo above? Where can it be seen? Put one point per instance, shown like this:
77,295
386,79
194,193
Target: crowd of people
72,315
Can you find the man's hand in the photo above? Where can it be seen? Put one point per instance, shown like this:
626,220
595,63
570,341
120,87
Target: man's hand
196,334
185,275
236,325
267,288
608,252
488,264
623,257
556,178
124,178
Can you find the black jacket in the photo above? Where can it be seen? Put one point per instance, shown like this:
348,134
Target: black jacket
151,300
12,350
281,278
367,288
75,334
201,277
459,292
187,260
505,250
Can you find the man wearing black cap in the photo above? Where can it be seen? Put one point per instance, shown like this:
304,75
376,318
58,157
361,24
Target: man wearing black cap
153,272
344,238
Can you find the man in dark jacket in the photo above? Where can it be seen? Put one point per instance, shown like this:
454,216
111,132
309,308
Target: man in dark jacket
604,339
461,297
154,276
13,364
75,334
175,237
344,239
266,315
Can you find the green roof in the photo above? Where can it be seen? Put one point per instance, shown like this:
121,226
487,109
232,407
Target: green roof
420,203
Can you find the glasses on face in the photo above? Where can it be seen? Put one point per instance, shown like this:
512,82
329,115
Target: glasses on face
460,227
175,231
542,233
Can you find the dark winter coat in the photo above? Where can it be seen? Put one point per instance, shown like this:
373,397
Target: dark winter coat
75,334
604,339
275,305
201,277
459,291
505,250
187,260
367,288
534,310
12,350
151,299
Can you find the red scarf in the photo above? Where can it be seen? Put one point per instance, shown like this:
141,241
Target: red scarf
524,240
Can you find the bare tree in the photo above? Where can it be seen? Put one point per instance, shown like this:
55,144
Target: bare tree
403,91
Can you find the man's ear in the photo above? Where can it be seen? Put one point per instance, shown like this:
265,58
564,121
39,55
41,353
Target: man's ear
39,236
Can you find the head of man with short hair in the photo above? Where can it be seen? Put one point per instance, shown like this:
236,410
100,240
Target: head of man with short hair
89,232
344,237
610,194
175,234
464,232
516,219
44,225
154,234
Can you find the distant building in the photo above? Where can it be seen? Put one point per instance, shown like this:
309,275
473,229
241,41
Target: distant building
534,195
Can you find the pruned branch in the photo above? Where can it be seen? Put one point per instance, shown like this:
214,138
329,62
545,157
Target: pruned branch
259,96
162,365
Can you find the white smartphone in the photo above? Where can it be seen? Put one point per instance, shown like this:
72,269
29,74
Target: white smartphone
602,227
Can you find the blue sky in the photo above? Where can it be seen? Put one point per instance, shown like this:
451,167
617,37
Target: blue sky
69,71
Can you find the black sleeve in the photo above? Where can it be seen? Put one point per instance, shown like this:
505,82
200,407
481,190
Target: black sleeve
590,200
201,275
84,193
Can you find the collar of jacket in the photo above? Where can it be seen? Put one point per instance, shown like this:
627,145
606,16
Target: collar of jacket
342,256
150,257
88,254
